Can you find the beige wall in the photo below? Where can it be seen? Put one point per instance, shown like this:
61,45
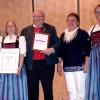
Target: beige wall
56,11
87,12
17,10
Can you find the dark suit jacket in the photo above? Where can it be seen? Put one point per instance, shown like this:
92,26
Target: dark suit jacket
53,42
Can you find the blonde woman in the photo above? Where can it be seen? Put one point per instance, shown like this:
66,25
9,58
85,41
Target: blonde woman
14,86
93,77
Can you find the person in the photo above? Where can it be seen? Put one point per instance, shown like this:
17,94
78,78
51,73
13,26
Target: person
14,86
74,52
93,75
40,64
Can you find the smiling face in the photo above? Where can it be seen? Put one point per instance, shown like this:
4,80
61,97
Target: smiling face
72,22
97,13
11,28
38,18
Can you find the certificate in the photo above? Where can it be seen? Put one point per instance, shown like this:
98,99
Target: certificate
9,59
40,41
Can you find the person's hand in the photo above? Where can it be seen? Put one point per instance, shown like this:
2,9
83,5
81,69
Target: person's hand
85,68
86,64
59,69
48,51
19,70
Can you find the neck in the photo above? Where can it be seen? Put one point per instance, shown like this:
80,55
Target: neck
71,29
36,25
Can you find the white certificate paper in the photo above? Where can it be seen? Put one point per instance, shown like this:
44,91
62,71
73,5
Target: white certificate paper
9,59
40,41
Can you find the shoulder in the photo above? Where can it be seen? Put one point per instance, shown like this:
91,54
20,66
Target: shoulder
21,37
83,32
27,28
90,30
48,26
62,36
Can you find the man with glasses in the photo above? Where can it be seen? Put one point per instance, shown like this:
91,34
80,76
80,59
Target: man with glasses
40,62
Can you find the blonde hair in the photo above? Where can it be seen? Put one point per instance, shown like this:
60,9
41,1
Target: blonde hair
16,31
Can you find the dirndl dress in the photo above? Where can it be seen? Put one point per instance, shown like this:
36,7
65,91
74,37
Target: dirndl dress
12,86
92,91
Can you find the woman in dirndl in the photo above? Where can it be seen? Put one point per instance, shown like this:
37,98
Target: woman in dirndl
93,77
14,86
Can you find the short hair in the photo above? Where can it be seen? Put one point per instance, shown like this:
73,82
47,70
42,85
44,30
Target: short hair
40,11
75,15
96,7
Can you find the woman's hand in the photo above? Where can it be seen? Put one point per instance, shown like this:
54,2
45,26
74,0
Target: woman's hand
48,51
59,69
19,70
86,64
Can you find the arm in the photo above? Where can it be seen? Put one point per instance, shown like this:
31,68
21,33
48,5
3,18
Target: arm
86,64
22,46
87,48
59,67
21,59
53,43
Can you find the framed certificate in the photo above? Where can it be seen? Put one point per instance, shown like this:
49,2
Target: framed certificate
9,59
40,41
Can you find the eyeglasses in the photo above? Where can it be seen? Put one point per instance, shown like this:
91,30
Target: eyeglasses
38,16
10,26
97,12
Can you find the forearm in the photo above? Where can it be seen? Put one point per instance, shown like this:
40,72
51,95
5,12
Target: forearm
21,59
86,64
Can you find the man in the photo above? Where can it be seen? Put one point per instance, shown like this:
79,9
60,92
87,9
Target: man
40,64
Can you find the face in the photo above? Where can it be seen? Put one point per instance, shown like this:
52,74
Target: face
10,28
97,14
72,23
38,18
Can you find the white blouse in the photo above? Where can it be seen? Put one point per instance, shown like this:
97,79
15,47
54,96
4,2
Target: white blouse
69,36
96,28
22,42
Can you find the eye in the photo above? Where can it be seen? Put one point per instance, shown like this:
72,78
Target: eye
97,12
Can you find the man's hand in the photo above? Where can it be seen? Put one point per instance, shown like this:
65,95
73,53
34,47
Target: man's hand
48,51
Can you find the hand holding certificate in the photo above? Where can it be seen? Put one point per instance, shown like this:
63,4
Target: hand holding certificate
40,41
9,59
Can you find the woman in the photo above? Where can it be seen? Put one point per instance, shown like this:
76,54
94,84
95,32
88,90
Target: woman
75,48
93,77
14,86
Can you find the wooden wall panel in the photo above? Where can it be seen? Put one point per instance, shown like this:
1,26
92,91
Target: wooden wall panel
56,11
18,10
87,12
